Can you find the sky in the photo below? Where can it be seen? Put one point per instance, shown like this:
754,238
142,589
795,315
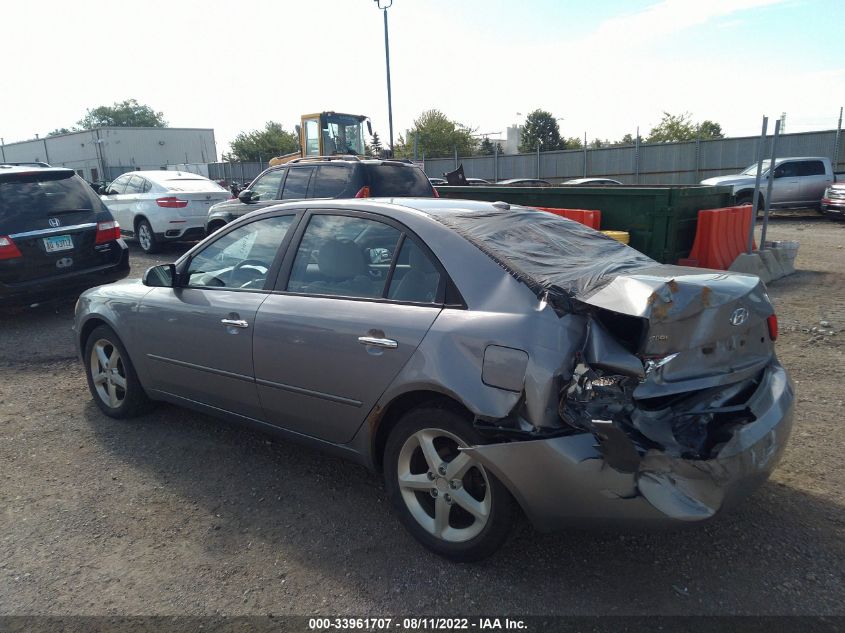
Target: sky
602,67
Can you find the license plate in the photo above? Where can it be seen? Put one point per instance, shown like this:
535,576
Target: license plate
58,243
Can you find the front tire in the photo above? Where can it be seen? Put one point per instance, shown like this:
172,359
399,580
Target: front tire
146,238
112,380
446,499
748,198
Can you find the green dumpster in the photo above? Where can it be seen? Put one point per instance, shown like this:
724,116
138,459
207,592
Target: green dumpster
661,219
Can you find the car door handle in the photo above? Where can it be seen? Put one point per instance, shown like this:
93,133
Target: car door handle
387,343
234,322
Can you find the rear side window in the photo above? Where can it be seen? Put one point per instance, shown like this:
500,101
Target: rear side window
811,168
296,185
415,277
40,195
398,180
331,181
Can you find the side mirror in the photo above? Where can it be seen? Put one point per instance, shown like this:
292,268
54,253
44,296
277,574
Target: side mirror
369,127
162,276
245,196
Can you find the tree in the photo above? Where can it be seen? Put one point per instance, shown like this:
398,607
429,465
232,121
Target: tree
60,130
128,113
486,147
375,145
262,145
436,135
541,128
680,127
710,129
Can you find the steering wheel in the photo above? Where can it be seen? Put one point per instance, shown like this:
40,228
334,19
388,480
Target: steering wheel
255,274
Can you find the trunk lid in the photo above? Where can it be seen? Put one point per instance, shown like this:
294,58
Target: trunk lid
199,203
696,328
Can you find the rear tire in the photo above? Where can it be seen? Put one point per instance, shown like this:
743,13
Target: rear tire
146,238
447,500
112,380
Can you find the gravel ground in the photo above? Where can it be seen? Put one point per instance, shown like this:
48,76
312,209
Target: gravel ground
177,513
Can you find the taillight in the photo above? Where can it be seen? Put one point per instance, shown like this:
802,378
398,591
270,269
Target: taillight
8,249
363,192
772,322
171,202
107,232
436,195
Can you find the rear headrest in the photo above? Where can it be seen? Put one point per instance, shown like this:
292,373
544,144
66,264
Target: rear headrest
341,259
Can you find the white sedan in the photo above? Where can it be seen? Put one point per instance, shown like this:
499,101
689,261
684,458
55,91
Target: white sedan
161,206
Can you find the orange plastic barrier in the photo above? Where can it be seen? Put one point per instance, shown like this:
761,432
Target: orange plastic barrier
588,217
720,236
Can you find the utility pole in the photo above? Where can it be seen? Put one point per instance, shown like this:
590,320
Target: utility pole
387,5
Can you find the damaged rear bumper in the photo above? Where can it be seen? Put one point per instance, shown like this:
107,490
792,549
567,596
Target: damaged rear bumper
566,480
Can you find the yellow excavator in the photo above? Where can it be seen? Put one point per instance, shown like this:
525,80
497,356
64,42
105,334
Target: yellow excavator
329,134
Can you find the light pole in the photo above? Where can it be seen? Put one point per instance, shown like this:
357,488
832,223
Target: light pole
387,5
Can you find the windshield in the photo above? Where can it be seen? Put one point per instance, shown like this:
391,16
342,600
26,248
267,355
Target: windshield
751,170
343,134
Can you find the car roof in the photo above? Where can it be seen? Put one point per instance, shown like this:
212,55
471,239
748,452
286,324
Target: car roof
431,207
32,169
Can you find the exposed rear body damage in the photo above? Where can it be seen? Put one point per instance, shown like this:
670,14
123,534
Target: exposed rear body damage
673,403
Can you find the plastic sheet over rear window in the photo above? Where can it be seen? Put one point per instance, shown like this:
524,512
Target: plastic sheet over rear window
549,253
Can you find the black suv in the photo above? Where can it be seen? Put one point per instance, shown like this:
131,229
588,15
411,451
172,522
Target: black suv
56,236
324,177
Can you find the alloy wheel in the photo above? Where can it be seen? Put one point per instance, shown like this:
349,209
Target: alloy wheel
446,491
108,373
145,239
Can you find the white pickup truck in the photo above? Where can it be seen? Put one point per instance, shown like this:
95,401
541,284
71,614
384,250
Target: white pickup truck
798,182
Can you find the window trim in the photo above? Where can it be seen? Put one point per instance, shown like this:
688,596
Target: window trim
283,276
184,266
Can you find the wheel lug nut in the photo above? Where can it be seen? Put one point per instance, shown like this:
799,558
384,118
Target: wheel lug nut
454,484
434,492
441,469
430,475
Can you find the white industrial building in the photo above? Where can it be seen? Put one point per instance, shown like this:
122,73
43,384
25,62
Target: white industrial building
106,152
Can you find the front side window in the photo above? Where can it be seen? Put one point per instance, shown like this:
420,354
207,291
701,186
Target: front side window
135,185
241,258
266,187
118,186
344,256
787,170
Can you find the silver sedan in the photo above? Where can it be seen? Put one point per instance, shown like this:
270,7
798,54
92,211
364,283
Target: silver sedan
486,358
